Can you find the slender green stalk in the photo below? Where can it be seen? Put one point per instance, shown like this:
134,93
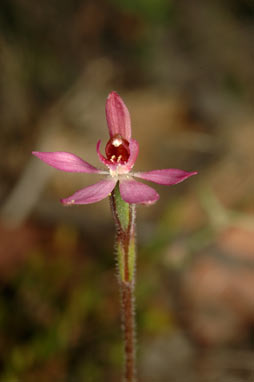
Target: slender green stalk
124,217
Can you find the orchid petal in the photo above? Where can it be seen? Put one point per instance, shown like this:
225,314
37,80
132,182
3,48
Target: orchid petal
168,176
91,194
137,193
64,161
104,160
118,116
134,149
101,157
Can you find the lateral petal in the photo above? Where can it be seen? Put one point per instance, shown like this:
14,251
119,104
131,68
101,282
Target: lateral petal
91,194
104,160
137,193
167,177
118,116
64,161
134,149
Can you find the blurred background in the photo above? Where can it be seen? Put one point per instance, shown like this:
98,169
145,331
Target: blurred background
185,70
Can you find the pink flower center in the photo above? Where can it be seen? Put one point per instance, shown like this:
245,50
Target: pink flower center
117,149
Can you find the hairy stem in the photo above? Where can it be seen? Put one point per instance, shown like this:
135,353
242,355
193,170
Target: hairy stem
127,290
124,217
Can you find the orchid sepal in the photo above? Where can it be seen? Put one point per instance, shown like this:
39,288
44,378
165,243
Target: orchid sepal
118,116
65,161
167,177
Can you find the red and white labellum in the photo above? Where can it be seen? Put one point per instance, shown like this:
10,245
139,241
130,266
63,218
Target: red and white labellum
117,149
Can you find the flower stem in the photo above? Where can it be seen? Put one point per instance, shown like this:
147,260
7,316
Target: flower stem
124,217
127,290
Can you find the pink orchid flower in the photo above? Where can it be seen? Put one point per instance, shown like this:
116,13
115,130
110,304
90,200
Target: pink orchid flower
121,154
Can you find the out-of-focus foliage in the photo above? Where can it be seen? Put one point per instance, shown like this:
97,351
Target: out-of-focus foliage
58,311
153,11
